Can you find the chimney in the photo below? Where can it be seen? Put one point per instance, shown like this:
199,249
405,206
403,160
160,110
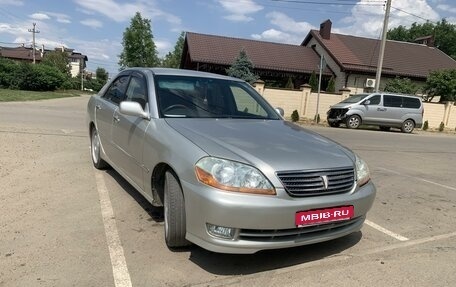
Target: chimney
325,29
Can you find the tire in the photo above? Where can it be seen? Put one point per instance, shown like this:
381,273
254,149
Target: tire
408,126
353,122
385,129
334,124
174,209
95,150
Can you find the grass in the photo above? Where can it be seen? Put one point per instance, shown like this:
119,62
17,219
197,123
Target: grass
18,95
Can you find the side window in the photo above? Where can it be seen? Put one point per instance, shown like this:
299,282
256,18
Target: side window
375,100
137,91
245,104
392,101
116,92
411,103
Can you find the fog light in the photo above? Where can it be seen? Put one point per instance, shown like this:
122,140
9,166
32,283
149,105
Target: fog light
220,231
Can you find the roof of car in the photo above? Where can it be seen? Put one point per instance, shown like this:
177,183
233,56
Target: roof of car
182,72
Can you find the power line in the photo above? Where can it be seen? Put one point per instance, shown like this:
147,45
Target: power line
411,14
371,3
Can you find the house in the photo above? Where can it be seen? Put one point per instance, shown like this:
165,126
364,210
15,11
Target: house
274,63
351,60
77,61
354,59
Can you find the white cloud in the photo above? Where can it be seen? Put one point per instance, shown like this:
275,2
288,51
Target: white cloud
367,20
39,16
12,2
93,23
60,17
239,10
446,8
289,30
121,12
163,47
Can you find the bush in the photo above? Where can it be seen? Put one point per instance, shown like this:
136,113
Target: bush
294,116
441,127
317,118
425,126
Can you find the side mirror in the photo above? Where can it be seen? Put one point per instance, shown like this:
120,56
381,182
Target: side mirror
367,102
133,109
280,111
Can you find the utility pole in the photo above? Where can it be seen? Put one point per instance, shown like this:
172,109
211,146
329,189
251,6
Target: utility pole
34,31
382,46
322,66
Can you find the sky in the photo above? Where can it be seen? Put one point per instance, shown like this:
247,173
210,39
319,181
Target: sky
95,27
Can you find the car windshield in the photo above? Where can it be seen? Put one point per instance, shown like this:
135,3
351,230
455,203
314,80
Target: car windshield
199,97
355,98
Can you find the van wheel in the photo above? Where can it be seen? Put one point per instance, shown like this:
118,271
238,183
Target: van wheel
353,122
385,129
408,126
174,209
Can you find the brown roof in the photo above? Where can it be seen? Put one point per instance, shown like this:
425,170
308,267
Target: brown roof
20,53
264,55
401,58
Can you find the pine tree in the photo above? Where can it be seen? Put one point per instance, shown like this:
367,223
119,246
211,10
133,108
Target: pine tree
139,49
331,86
242,68
173,59
313,82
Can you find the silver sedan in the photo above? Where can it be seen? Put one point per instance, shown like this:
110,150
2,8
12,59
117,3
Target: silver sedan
232,175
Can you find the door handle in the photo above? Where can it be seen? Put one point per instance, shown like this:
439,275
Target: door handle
116,118
381,110
98,107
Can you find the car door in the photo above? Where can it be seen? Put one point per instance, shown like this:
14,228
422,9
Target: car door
372,109
105,107
128,132
393,110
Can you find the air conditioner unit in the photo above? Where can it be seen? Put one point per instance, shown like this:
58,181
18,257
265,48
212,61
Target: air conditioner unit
370,83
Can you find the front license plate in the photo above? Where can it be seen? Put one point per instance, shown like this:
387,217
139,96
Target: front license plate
318,216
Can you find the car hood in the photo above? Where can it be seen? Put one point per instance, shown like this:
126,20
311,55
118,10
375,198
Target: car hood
278,144
342,105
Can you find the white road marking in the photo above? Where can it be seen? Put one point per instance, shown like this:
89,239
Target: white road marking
116,252
418,178
386,231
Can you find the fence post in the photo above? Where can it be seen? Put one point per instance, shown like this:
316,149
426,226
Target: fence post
345,93
259,86
447,112
305,97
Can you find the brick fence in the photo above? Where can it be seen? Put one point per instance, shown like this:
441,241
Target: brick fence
305,102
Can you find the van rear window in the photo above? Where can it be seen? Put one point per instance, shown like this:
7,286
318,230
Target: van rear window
411,103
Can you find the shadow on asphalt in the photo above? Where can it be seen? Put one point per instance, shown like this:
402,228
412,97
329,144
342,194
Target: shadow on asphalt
233,264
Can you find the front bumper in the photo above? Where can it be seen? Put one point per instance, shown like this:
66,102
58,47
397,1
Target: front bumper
266,222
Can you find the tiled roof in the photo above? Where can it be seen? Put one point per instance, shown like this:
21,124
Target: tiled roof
401,58
20,53
264,55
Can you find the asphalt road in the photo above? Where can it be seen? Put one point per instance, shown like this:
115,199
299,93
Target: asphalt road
53,221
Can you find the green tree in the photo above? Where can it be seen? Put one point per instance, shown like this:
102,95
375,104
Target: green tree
139,49
331,86
173,59
443,84
102,75
242,68
313,82
401,85
443,32
59,60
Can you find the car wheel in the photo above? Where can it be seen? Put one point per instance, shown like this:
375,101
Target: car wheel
95,150
385,129
353,122
334,125
174,209
408,126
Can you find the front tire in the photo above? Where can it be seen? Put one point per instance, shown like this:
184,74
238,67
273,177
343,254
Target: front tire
174,209
95,150
353,122
408,126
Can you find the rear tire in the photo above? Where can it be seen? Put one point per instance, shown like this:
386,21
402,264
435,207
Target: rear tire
353,122
174,208
95,150
408,126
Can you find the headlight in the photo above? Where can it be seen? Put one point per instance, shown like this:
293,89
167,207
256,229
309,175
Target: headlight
362,171
232,176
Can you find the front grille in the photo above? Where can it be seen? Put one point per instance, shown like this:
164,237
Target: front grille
335,113
317,182
268,235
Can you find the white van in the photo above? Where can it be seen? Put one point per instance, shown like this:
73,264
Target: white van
385,110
